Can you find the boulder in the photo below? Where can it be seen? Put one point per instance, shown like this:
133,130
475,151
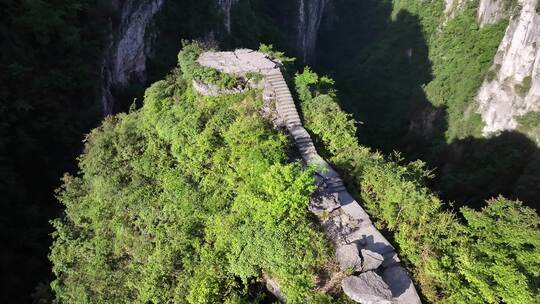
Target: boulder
367,288
348,257
401,286
371,260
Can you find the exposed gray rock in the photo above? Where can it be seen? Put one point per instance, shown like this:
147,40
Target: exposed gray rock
491,11
505,94
225,6
367,288
125,59
324,203
310,13
273,287
371,260
400,285
348,257
213,90
239,62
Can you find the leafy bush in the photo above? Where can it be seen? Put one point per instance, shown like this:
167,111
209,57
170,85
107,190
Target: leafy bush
529,123
493,256
192,70
269,50
523,88
188,200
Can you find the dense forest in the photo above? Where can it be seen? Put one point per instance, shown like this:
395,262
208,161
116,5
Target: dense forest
49,61
180,198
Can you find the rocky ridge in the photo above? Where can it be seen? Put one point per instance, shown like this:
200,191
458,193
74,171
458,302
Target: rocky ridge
372,268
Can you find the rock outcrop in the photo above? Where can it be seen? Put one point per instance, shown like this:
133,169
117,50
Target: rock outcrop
367,288
512,87
125,59
362,250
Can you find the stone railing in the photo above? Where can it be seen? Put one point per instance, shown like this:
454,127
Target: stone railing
374,274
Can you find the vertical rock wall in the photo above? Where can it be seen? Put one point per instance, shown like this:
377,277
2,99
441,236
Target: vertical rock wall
225,7
512,87
310,14
491,11
125,58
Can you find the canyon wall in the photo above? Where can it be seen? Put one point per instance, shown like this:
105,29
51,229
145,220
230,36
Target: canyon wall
130,45
512,87
310,14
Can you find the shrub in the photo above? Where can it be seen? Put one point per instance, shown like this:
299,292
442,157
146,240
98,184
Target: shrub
479,260
523,88
188,200
192,70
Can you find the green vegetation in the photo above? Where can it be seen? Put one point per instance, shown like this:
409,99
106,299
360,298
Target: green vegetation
410,73
523,88
490,256
268,49
461,54
188,200
529,123
49,62
191,69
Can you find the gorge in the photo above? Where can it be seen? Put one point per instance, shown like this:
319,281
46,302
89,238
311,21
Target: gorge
452,83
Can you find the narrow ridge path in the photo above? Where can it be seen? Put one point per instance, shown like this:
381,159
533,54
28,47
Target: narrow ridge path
376,275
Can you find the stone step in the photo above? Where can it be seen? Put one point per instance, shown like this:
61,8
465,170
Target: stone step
305,148
290,116
336,185
287,106
288,111
277,82
286,103
294,123
302,139
293,119
337,189
332,181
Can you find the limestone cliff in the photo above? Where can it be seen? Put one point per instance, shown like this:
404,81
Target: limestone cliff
125,58
512,87
310,14
491,11
225,7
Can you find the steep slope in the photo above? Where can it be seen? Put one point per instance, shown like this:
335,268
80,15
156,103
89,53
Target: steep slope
513,85
130,46
412,71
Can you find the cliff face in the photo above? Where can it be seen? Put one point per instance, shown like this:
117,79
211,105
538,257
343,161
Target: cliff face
490,11
125,58
310,14
225,7
512,87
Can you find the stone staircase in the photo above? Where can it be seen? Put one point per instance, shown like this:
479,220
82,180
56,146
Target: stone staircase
373,267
